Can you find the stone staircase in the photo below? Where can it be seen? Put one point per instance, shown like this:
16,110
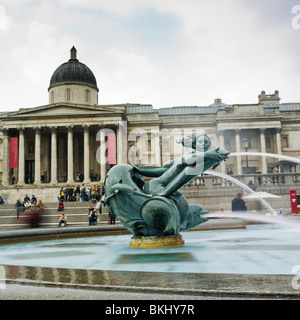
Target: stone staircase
76,212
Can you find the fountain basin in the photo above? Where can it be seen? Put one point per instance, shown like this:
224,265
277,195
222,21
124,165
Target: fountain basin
257,249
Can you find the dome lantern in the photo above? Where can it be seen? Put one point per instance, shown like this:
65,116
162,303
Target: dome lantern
73,56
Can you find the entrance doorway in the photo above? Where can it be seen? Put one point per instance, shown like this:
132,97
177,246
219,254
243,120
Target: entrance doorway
29,171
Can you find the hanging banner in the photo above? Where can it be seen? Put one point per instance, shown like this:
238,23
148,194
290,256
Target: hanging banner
111,148
13,154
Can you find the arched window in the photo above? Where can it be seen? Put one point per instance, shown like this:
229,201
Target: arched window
87,96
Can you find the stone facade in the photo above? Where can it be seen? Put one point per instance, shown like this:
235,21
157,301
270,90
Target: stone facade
63,142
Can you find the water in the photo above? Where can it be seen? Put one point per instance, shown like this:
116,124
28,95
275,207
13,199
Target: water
258,249
262,154
244,186
292,223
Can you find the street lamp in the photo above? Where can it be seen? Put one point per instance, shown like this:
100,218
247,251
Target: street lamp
246,147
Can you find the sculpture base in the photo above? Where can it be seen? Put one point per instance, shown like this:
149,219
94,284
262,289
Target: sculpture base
156,242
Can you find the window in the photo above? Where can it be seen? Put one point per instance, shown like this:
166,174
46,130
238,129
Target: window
87,96
268,143
285,141
227,144
68,94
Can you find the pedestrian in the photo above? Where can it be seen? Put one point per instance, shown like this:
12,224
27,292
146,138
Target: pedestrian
77,193
41,204
33,199
61,206
83,192
93,218
62,220
112,218
61,194
93,195
99,207
275,171
18,207
238,204
229,171
91,209
259,177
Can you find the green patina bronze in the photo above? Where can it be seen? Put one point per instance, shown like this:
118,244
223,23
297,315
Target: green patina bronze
155,207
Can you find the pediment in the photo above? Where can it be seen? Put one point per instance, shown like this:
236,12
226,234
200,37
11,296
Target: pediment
57,110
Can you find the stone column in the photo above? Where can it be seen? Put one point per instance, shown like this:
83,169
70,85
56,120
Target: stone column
37,156
61,163
122,142
238,149
222,145
53,155
264,168
278,140
5,167
103,158
21,166
76,153
86,155
70,156
157,148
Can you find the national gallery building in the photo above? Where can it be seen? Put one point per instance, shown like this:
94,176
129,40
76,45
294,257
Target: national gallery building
75,140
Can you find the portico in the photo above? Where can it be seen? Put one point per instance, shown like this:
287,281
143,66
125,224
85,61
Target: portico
59,147
261,140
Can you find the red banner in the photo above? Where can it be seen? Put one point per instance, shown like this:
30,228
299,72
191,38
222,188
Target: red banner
13,154
111,148
293,196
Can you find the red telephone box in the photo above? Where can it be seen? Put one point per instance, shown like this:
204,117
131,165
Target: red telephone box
293,197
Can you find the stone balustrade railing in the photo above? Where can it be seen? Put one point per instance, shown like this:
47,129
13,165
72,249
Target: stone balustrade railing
253,181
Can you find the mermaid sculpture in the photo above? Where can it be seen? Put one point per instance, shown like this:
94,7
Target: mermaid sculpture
155,207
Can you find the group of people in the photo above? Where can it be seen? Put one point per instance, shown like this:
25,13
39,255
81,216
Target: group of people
27,204
81,193
95,194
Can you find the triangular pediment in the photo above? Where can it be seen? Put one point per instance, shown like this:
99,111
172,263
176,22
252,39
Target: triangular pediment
58,109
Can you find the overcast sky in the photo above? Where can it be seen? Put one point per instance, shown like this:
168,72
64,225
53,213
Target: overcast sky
160,52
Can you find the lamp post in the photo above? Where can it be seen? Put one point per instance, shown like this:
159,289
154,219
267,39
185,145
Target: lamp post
246,147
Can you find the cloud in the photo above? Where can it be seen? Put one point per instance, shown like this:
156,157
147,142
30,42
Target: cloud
165,53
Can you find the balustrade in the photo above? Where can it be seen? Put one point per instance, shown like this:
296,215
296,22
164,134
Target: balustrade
278,179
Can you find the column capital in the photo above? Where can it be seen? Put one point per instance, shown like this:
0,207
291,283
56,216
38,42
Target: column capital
53,129
220,132
5,131
37,130
262,130
70,128
86,127
21,130
278,130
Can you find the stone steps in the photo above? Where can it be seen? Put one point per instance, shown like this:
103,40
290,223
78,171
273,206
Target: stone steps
76,212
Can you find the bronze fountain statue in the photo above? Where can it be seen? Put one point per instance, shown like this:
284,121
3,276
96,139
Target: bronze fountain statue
156,208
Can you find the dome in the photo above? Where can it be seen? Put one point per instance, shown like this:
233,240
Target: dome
73,72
